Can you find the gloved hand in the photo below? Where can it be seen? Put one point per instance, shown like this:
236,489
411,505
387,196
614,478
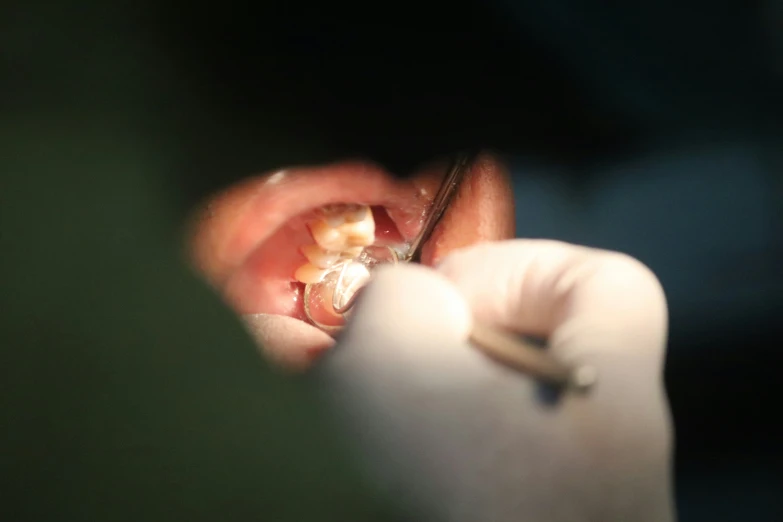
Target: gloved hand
457,436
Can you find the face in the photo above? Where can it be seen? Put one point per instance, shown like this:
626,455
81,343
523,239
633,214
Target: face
260,242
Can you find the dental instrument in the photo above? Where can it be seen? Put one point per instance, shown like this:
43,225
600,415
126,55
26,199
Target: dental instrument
505,347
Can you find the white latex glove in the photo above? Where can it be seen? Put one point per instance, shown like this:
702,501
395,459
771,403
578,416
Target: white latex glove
456,436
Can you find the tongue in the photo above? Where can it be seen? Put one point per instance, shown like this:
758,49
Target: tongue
246,241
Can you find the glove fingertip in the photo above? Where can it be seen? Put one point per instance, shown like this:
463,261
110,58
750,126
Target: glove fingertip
408,301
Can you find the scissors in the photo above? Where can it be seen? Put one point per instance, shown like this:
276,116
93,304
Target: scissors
505,347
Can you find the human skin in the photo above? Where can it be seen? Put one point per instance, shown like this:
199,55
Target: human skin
245,239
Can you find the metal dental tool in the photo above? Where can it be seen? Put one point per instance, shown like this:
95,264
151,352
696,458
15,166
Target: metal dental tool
451,183
506,347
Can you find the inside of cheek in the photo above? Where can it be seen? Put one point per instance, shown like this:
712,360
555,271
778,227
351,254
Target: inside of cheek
266,283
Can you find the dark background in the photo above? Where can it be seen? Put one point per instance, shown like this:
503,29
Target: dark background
653,129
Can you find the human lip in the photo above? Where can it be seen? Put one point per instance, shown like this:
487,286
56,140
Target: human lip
246,241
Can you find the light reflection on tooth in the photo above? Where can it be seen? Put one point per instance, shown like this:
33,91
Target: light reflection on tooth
341,233
310,274
360,233
327,237
356,227
319,257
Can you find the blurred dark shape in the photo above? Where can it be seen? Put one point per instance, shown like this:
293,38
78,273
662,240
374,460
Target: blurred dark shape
108,102
399,86
708,220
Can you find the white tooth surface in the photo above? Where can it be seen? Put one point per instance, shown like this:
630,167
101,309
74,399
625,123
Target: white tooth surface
338,213
310,274
319,257
340,233
352,252
331,214
357,213
356,228
360,233
328,237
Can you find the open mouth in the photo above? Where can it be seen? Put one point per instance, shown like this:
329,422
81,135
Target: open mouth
263,240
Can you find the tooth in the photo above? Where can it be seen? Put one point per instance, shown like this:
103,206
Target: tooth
334,220
319,257
338,213
351,252
356,213
359,231
310,274
325,211
327,237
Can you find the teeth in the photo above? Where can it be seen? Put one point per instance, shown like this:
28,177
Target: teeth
358,213
321,258
327,236
340,232
361,233
339,213
351,253
310,274
354,227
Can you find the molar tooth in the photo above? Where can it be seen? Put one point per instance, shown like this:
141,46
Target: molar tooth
351,252
337,214
319,257
356,213
327,236
361,233
348,234
310,274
